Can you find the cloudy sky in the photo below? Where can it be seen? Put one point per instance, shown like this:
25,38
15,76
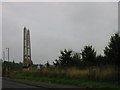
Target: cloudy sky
0,45
56,26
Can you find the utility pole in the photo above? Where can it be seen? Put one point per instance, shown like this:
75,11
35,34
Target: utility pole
8,53
8,60
3,56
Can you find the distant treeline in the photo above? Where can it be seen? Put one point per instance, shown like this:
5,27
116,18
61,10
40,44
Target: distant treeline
87,57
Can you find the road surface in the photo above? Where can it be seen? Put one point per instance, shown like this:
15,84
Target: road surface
21,83
0,83
11,84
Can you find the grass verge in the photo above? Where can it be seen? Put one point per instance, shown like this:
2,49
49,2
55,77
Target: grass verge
83,83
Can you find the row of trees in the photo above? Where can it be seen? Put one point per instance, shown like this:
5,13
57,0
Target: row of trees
88,57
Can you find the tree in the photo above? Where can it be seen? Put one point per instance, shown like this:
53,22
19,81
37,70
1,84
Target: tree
13,62
88,55
56,63
101,60
47,64
112,51
65,59
77,62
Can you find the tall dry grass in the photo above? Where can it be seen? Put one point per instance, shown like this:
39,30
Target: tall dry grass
108,73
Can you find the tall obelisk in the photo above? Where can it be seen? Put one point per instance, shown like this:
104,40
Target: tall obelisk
27,62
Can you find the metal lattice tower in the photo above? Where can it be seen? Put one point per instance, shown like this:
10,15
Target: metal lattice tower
27,62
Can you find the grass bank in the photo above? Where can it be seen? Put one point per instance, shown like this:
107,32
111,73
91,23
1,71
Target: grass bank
100,77
80,82
107,74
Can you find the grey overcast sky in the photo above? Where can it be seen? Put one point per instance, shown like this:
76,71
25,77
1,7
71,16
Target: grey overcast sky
56,26
0,30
